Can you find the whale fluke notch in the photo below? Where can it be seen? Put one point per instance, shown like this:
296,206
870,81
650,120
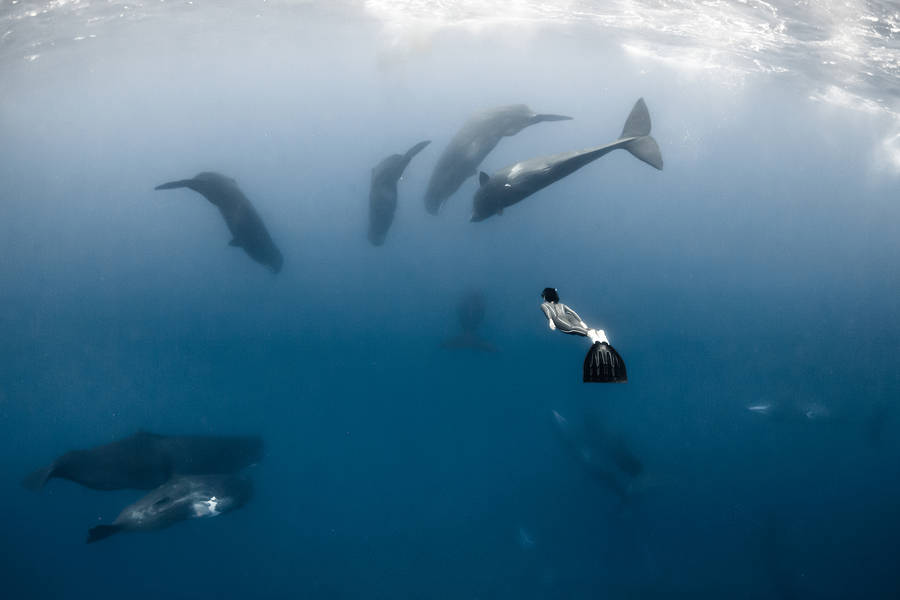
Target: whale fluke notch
101,532
637,126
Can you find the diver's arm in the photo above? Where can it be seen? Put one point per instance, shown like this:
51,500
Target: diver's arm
568,321
577,326
595,335
549,314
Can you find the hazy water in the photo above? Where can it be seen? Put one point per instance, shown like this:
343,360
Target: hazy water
759,266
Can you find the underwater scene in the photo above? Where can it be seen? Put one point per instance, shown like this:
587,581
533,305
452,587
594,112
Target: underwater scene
474,300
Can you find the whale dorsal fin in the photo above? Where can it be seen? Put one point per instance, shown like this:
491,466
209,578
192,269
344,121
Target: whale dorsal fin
483,178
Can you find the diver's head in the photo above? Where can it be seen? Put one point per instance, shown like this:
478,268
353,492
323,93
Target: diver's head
550,295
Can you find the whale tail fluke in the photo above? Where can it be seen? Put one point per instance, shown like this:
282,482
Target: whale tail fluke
36,480
101,532
643,146
415,150
171,185
547,117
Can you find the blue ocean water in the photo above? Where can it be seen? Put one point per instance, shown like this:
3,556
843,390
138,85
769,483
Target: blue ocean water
759,268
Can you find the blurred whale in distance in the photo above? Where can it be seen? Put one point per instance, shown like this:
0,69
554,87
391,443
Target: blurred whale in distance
478,136
605,456
516,182
470,312
383,192
247,228
798,412
146,460
179,499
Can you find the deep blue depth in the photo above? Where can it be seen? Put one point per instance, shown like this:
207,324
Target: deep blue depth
759,266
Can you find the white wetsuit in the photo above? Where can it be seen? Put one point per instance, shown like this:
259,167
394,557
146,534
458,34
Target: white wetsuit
566,320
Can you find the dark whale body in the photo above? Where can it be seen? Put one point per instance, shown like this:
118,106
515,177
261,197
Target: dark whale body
478,136
146,460
516,182
605,457
470,312
383,192
179,499
247,228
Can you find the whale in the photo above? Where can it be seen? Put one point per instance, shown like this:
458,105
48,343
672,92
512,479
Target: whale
472,143
604,456
516,182
145,460
470,313
247,228
383,192
179,499
796,412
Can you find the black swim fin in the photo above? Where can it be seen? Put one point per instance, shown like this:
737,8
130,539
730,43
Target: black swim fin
604,365
100,532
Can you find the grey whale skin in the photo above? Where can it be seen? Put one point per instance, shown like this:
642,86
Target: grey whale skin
246,226
179,499
478,136
383,192
145,460
516,182
470,312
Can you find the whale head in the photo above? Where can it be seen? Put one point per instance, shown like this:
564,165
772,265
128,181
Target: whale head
487,200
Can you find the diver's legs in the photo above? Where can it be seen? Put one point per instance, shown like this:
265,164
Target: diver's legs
597,335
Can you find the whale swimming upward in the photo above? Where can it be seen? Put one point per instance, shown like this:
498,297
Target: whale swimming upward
247,228
515,183
383,192
475,140
470,312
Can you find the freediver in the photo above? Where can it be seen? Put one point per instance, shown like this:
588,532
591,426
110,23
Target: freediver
602,363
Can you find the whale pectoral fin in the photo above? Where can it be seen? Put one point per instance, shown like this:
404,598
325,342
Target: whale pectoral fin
37,479
483,178
234,242
95,534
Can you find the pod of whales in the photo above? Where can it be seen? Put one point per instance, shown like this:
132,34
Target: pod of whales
383,192
247,228
516,182
145,460
478,136
179,499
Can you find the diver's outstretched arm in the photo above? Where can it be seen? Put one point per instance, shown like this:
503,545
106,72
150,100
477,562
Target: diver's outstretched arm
547,313
563,318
